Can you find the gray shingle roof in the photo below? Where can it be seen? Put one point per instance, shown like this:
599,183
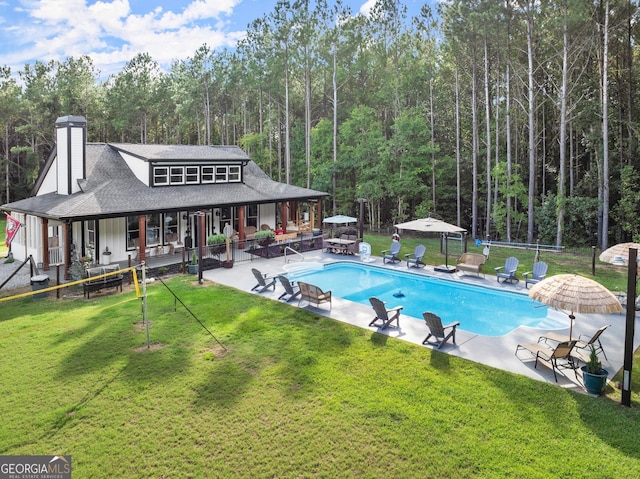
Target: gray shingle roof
112,190
182,152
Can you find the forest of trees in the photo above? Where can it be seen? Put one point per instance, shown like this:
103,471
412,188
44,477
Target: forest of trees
514,119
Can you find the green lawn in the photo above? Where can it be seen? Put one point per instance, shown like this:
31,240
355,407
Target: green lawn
294,395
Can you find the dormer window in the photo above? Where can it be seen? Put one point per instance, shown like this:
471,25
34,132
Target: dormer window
221,174
194,175
160,176
177,175
234,174
208,174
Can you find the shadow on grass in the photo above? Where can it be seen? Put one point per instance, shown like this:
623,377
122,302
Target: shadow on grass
600,416
112,333
379,340
225,383
440,360
606,420
275,343
63,416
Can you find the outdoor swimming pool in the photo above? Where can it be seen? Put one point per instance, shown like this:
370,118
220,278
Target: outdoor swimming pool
480,310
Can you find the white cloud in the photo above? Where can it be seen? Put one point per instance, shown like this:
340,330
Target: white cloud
366,7
111,33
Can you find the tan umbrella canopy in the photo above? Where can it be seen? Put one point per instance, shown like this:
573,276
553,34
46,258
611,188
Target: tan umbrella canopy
576,294
618,254
340,219
430,225
433,225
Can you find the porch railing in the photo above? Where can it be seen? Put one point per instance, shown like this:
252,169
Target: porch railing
56,255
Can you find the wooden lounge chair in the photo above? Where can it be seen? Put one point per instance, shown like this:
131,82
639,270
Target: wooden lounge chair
508,271
313,295
558,358
264,281
583,345
391,254
437,330
386,316
415,258
289,289
538,273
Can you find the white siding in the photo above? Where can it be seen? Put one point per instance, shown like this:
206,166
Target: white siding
138,167
77,158
50,183
61,163
113,235
267,215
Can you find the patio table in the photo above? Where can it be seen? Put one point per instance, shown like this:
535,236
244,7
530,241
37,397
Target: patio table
339,245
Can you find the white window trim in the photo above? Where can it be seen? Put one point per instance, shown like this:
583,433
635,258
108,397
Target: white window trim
208,170
172,174
219,170
234,174
157,173
196,174
187,174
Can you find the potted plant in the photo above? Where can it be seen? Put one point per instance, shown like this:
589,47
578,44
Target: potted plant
216,244
193,266
593,375
265,237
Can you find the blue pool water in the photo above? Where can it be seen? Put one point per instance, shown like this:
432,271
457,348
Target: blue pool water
480,310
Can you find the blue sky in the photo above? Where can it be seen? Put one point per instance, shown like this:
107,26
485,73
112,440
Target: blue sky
114,31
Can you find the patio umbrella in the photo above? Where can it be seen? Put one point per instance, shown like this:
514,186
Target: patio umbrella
433,225
618,254
576,294
430,225
340,219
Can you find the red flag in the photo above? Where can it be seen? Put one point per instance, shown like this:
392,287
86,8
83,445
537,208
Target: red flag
13,225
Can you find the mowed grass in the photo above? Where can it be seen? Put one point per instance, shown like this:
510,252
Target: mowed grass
291,395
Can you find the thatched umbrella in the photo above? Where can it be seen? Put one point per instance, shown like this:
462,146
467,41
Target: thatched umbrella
575,294
618,254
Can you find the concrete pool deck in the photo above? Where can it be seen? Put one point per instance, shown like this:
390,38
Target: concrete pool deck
494,351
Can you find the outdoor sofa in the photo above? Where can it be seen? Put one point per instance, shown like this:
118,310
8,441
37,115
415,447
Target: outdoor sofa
471,263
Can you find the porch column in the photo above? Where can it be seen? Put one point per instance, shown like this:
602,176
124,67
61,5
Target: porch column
294,213
142,239
320,212
203,243
66,241
312,215
283,216
45,244
241,227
